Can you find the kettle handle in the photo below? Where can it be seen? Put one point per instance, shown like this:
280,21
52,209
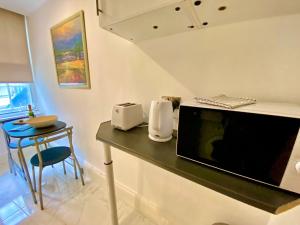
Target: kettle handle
156,116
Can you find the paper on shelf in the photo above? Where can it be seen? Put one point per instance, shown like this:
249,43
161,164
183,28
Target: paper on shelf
225,101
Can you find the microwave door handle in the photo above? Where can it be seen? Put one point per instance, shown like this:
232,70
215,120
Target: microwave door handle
156,116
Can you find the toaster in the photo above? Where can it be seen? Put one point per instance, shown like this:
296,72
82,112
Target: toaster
127,115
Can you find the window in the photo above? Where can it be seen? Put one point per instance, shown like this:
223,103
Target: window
14,97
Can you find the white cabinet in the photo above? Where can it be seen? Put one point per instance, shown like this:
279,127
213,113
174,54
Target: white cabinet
138,20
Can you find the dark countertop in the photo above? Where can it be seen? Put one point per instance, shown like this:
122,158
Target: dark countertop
137,143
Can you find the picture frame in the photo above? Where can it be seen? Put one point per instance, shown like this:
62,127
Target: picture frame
70,52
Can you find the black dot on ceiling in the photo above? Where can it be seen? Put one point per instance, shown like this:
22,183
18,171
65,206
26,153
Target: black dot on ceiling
205,23
191,26
110,28
222,8
197,3
155,27
177,9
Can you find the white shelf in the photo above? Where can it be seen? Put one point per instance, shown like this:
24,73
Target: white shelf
135,19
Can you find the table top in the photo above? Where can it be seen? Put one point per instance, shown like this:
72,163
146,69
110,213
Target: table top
31,132
137,143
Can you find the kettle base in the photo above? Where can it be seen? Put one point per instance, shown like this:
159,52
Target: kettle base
160,139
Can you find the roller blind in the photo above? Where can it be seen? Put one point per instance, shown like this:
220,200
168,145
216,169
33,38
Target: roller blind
14,57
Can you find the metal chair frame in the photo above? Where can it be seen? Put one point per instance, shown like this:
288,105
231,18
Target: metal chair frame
47,138
11,162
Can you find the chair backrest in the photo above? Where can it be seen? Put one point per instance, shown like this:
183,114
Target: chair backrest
53,136
7,138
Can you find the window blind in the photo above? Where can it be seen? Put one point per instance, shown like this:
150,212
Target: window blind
14,57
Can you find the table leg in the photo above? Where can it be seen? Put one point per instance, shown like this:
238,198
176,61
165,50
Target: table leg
24,164
111,185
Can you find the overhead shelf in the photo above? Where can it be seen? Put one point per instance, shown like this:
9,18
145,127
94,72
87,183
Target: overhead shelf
138,20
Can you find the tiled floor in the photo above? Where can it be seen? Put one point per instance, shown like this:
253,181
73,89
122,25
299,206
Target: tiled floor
66,201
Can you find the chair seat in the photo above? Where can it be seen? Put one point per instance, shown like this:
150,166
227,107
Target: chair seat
24,143
51,156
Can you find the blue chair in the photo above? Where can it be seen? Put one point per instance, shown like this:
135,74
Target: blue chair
12,144
53,155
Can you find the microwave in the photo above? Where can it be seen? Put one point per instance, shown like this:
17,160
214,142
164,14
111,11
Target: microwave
260,141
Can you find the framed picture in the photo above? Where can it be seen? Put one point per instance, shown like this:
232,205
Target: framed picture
70,52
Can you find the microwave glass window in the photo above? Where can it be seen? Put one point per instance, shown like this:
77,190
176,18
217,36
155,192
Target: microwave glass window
253,145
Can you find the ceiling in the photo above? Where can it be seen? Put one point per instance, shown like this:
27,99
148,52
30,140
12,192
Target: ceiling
24,7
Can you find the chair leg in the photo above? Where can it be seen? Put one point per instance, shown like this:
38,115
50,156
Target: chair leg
21,164
40,188
34,180
74,165
64,166
79,168
9,157
75,161
10,162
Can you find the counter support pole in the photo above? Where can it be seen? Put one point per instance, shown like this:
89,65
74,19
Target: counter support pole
108,163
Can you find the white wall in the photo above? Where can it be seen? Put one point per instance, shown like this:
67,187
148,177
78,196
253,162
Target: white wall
257,58
261,56
119,72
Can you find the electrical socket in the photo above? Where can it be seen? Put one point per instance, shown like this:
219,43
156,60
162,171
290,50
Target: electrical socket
175,101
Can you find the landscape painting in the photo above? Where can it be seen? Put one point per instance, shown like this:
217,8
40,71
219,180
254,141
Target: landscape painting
70,52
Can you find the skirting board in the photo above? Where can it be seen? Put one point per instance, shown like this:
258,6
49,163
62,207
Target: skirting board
133,199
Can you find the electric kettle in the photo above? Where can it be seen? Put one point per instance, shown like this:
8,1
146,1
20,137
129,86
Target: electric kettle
161,121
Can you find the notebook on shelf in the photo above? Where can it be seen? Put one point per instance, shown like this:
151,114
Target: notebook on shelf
225,101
